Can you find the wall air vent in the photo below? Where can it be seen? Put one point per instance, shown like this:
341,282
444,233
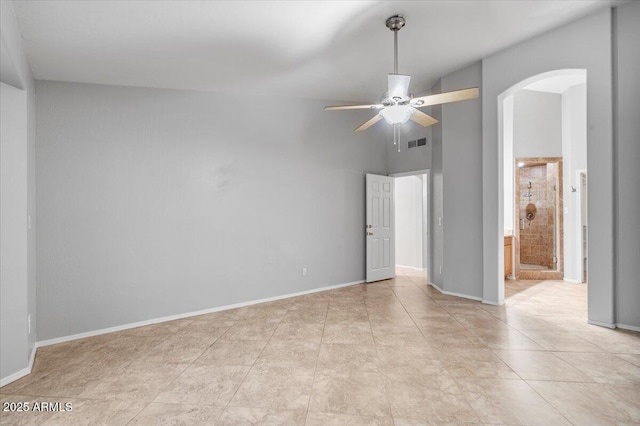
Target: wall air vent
417,143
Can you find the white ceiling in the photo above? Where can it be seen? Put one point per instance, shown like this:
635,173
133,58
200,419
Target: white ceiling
312,49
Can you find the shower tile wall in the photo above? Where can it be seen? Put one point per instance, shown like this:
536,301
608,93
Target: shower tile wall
536,239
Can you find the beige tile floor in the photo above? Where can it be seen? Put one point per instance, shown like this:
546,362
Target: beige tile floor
392,352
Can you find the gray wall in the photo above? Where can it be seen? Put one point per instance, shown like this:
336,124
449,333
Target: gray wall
436,252
15,71
158,202
14,353
462,180
583,44
408,160
537,124
627,192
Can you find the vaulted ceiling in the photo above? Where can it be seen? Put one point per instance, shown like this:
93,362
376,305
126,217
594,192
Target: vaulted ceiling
314,49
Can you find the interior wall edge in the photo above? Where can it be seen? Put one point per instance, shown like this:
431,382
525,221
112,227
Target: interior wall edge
21,373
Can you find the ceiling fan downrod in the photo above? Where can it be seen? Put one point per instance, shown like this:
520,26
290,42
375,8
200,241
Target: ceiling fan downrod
395,24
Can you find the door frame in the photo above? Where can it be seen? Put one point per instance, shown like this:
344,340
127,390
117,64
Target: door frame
558,273
579,224
426,222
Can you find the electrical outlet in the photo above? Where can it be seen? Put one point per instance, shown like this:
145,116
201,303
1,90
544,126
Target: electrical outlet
440,221
304,272
29,323
29,222
440,269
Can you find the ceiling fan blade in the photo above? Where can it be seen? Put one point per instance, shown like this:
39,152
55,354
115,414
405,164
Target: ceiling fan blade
423,119
345,107
398,85
443,98
369,123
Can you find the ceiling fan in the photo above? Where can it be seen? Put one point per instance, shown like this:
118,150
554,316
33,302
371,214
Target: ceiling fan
398,106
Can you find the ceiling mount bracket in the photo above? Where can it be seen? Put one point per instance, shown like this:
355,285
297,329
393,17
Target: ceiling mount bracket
396,22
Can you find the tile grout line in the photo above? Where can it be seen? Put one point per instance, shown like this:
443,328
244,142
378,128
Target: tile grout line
315,369
375,345
228,404
152,400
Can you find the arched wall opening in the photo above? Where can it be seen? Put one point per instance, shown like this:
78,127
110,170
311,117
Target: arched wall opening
544,117
511,68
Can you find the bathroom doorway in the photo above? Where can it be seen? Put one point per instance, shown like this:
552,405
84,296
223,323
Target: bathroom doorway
539,251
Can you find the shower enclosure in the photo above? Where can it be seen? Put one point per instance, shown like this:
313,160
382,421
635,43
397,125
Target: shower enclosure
538,210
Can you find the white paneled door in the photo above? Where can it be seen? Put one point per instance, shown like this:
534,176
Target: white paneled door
381,262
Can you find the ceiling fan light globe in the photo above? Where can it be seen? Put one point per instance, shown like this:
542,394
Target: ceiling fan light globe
397,114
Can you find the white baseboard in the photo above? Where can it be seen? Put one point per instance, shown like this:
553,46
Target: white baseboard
436,287
614,325
491,302
415,268
627,327
450,293
187,315
601,324
25,371
569,280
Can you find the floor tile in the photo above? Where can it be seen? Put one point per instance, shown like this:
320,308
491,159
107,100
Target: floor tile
178,349
540,365
476,363
284,389
337,419
232,352
632,358
592,403
160,414
348,333
616,341
561,341
349,392
250,331
389,335
97,412
204,385
355,355
434,398
347,357
306,316
504,401
308,332
603,368
411,359
507,339
261,416
291,352
140,380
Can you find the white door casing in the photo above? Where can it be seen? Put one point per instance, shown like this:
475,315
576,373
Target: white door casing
381,262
